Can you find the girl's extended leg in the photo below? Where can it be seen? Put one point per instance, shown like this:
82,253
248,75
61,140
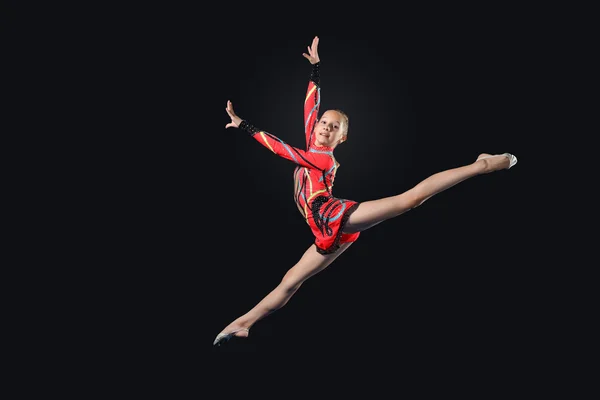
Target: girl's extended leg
309,264
371,213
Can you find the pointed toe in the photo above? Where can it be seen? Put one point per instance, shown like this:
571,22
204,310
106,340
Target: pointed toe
226,336
512,158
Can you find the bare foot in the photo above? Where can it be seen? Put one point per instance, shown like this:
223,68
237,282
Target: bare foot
493,162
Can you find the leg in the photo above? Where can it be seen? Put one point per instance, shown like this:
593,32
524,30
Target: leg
371,213
310,264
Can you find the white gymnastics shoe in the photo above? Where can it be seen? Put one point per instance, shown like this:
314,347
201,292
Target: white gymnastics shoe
226,336
512,158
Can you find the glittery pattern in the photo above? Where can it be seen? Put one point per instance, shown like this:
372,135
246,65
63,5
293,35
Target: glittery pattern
244,125
320,219
315,75
336,244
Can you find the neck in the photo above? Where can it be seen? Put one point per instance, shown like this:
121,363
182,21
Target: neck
323,146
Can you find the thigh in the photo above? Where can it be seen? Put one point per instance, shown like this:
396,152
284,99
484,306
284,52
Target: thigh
311,263
371,213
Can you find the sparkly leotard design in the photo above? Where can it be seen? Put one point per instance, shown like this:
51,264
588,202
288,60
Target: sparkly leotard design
313,176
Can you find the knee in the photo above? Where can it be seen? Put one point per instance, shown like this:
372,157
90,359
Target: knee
289,283
412,199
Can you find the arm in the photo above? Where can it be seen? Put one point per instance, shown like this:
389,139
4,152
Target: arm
303,158
311,104
312,101
300,157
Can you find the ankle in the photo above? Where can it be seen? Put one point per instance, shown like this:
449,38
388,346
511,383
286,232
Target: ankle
481,166
239,325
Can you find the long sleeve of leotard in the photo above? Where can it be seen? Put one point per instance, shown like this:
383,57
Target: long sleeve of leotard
300,157
312,102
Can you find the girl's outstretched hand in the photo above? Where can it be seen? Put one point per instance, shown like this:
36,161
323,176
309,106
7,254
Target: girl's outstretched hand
235,120
313,54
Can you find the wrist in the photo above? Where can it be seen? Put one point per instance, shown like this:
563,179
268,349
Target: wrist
315,73
246,126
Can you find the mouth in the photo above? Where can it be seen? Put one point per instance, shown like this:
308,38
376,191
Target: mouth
324,134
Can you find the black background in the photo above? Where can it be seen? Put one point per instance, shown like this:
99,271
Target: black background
449,275
210,212
178,226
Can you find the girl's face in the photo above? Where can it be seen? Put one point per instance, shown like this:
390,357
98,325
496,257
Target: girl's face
328,130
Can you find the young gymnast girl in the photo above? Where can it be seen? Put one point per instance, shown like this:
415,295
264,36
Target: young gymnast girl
335,222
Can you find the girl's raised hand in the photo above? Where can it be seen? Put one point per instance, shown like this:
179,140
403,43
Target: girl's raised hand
235,120
313,54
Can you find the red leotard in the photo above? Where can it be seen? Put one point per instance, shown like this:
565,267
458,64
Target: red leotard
313,176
